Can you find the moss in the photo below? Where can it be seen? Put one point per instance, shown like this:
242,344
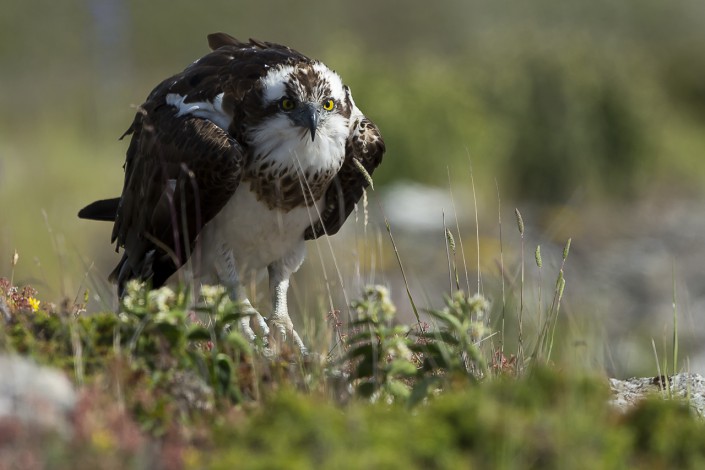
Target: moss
490,426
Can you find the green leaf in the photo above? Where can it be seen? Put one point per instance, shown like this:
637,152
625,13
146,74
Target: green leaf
422,389
198,332
172,333
232,316
223,372
365,350
365,368
402,367
436,355
443,336
363,337
363,322
444,317
171,317
238,342
397,389
366,389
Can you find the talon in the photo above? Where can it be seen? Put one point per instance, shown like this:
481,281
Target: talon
262,324
247,329
284,331
260,321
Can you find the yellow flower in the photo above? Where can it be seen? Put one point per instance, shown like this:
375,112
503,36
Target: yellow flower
192,458
102,440
34,303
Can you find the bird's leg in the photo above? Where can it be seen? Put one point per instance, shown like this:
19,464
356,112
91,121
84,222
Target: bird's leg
250,312
228,273
278,287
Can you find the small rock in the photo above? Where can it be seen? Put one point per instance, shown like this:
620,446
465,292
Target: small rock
35,396
690,387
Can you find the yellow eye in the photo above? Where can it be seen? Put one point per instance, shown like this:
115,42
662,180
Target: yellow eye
287,104
328,105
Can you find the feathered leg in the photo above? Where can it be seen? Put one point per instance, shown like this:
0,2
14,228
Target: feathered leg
228,274
279,273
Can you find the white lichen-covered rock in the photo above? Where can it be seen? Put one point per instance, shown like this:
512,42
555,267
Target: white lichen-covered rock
37,396
688,387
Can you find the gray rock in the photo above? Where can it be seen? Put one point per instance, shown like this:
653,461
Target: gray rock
689,387
37,396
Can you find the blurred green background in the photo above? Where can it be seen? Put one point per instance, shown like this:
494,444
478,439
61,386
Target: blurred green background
556,103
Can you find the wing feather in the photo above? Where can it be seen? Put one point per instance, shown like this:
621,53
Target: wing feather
179,173
364,146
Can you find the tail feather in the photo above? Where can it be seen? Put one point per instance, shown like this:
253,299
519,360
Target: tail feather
105,209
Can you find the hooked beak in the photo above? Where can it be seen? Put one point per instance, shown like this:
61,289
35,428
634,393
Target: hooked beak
312,117
308,117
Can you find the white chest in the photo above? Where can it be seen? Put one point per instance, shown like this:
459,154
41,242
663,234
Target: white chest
256,234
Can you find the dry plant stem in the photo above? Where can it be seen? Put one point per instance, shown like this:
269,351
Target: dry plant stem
338,330
665,365
560,286
457,229
675,319
477,229
77,347
403,274
81,288
307,190
553,321
658,366
520,352
450,267
539,264
59,253
501,264
13,263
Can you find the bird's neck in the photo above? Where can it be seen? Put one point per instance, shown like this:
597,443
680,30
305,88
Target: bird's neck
282,146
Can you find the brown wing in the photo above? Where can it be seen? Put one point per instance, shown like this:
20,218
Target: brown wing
179,173
365,145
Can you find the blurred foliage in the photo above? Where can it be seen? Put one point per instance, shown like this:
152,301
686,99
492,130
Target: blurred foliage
392,362
548,95
548,420
154,387
551,98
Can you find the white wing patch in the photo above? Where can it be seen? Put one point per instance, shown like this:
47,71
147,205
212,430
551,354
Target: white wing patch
213,111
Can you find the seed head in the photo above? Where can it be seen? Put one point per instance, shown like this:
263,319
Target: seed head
520,221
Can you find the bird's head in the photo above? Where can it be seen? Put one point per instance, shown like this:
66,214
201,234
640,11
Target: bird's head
307,97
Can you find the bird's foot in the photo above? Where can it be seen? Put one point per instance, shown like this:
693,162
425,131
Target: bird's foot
272,337
251,317
282,330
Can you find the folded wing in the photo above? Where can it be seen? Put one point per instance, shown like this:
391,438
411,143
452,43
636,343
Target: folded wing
364,148
179,173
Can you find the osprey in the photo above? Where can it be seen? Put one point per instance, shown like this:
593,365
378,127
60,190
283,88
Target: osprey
234,163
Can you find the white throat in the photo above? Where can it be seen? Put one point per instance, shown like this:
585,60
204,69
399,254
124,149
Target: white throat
278,141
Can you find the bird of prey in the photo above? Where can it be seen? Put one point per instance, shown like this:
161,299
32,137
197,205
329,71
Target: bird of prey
234,163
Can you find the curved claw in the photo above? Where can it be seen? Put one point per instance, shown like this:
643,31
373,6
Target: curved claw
298,343
284,331
247,329
262,324
260,321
